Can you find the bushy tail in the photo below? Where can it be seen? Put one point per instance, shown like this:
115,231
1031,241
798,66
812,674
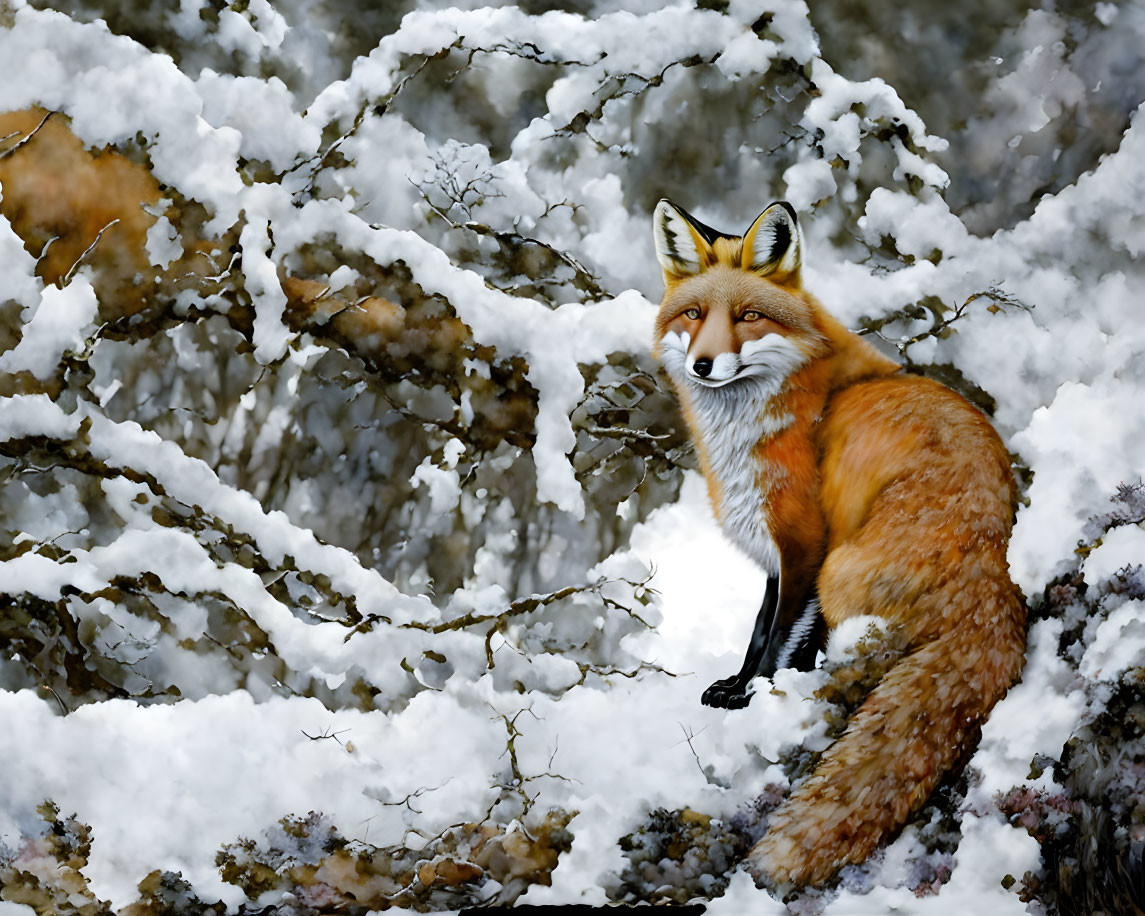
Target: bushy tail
909,731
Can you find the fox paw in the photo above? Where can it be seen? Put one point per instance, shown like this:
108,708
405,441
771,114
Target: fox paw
729,693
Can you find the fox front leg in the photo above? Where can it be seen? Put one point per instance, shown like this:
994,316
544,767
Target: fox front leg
732,692
788,632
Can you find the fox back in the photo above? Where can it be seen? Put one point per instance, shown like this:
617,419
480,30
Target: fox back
859,490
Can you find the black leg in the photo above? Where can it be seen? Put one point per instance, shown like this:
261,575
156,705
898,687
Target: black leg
780,620
732,692
803,655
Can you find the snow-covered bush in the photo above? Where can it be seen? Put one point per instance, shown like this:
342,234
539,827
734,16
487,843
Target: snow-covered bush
351,544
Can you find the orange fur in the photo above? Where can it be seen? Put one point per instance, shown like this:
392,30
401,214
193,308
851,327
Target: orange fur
892,495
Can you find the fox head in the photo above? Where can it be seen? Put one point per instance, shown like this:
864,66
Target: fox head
733,307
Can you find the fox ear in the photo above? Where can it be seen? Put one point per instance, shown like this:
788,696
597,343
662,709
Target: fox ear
773,247
680,247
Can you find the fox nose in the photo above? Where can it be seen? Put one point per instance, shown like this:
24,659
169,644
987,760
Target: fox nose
702,367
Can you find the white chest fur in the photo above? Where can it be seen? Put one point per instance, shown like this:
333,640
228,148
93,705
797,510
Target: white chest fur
732,421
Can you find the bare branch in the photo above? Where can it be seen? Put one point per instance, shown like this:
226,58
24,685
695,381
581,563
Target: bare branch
23,142
326,734
942,317
67,278
688,736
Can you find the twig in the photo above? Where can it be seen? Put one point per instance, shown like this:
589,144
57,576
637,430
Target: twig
688,736
326,733
380,105
46,686
940,323
24,141
67,278
623,432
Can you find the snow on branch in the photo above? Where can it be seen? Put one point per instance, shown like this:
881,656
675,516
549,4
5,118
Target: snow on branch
610,45
126,447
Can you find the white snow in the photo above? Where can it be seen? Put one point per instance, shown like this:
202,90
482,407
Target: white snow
34,415
262,112
1080,447
18,267
163,244
1118,644
62,321
1036,717
164,786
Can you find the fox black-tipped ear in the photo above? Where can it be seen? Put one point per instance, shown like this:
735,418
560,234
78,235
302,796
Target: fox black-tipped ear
680,247
772,246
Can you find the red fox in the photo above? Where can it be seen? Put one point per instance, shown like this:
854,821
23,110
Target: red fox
860,490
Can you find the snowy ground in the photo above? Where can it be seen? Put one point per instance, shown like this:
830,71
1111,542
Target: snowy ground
224,767
167,786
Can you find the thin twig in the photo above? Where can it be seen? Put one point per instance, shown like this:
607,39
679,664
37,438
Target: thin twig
688,736
67,278
23,142
326,733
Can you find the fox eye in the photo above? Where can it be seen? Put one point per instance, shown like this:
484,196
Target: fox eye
693,313
751,315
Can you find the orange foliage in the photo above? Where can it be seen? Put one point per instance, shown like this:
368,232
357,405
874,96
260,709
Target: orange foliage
59,197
